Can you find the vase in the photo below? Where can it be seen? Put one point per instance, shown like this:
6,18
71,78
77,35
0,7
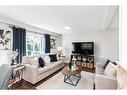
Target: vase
13,62
70,65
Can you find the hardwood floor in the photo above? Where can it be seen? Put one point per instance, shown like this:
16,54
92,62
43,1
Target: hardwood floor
28,86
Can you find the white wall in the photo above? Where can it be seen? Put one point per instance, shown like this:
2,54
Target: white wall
23,25
30,28
6,28
58,43
106,43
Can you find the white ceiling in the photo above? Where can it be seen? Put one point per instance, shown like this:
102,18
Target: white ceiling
54,18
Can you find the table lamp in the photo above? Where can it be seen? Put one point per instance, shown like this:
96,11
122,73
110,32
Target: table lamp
59,49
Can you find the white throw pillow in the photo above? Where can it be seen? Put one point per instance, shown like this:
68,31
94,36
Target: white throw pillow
111,69
34,61
47,59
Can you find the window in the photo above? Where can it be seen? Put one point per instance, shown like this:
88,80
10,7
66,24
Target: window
34,44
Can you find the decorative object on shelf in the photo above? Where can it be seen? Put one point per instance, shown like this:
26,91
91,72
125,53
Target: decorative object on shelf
84,59
90,60
86,62
74,60
79,58
14,56
5,39
59,49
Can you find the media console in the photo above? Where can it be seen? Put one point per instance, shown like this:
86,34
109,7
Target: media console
86,61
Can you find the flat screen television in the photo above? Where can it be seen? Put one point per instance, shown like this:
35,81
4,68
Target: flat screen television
86,48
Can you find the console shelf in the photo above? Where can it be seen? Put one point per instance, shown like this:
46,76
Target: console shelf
86,61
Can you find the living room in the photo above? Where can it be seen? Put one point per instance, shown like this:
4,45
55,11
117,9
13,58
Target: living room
41,46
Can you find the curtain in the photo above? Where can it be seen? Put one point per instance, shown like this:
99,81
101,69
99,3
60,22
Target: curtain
19,42
47,43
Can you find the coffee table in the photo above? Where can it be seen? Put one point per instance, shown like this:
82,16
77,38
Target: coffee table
70,73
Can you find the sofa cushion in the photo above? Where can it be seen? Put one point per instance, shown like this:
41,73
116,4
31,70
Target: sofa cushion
34,61
54,64
42,70
41,62
49,67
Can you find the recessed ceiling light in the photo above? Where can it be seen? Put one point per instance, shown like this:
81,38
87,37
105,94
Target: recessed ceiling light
67,28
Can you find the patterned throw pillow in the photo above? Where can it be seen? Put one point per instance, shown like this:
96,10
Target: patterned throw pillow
53,57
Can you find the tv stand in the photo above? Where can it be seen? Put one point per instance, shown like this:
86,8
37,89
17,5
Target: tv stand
86,61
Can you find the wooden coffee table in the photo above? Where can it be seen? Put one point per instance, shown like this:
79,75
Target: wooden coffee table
70,73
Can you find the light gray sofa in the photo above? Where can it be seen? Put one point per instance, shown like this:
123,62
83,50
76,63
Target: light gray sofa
34,74
103,81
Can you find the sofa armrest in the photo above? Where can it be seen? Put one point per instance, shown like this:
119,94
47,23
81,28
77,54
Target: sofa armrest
30,73
106,77
105,82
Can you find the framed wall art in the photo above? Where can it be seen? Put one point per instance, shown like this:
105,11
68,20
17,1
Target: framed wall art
5,39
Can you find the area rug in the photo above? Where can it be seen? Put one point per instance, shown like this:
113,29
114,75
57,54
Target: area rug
57,82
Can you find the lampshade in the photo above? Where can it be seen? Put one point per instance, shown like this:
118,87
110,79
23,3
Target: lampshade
59,48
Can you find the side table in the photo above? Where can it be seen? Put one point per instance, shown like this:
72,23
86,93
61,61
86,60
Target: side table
17,75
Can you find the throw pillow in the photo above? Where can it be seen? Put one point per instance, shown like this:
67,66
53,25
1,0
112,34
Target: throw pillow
41,62
114,63
34,61
106,63
47,59
53,57
111,69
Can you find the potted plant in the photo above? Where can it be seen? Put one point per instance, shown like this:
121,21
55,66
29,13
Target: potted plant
14,56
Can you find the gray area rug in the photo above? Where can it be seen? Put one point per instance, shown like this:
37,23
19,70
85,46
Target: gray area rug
57,82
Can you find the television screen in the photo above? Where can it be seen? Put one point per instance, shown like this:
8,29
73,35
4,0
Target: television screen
83,48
